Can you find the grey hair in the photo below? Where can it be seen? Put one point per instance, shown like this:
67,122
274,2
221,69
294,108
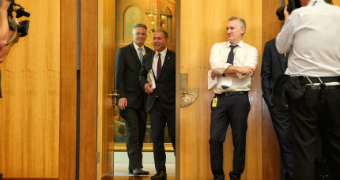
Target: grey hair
139,25
241,22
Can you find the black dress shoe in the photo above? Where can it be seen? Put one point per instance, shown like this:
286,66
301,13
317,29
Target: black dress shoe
161,175
138,172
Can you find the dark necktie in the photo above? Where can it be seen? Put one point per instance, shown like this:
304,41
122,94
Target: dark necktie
159,65
231,54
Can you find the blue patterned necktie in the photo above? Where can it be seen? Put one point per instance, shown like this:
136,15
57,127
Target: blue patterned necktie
140,54
231,54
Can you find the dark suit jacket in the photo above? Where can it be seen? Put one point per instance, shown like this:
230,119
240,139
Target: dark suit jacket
127,68
165,83
273,65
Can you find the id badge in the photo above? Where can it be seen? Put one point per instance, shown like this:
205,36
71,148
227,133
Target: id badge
214,103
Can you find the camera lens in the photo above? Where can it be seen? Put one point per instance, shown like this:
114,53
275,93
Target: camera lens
23,28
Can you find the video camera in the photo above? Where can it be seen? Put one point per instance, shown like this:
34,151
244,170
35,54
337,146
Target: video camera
20,11
292,4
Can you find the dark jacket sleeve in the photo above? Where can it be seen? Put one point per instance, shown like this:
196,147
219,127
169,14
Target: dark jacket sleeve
143,73
266,73
119,73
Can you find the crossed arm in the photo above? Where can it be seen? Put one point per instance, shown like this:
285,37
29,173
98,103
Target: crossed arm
220,67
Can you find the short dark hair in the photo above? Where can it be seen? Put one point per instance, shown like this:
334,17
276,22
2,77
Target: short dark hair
139,25
164,32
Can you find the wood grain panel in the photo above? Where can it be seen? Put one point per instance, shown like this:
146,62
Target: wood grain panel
68,90
200,29
29,111
106,52
336,2
88,90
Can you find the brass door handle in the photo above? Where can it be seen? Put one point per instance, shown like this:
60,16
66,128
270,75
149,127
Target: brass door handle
114,93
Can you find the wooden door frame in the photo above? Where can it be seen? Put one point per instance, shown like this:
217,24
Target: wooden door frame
68,90
88,88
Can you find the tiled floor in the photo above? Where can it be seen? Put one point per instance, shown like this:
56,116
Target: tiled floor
121,164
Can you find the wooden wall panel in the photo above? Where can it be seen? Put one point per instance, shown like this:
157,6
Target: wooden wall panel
68,90
336,2
200,29
106,55
88,90
29,111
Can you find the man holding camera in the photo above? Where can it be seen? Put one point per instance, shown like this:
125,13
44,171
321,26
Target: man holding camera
5,35
311,34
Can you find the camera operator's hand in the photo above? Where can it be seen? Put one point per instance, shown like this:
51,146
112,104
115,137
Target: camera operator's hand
286,13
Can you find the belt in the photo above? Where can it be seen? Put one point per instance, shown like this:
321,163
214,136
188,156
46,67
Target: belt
231,93
319,87
304,80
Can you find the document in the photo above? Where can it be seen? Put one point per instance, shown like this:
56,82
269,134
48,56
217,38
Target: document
211,83
151,79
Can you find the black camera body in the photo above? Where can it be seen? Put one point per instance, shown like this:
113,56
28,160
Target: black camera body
292,4
20,11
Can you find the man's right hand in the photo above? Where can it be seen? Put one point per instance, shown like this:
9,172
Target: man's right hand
122,103
148,88
245,70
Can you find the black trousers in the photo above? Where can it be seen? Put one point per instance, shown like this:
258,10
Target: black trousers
281,125
231,110
160,117
317,112
135,125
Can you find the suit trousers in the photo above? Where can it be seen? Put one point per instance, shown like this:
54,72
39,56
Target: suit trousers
135,125
160,117
318,111
281,125
231,110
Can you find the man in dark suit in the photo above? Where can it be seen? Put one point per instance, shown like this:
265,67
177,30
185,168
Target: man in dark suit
131,96
274,65
161,100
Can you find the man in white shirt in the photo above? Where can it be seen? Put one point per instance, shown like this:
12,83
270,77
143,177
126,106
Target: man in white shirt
232,62
311,34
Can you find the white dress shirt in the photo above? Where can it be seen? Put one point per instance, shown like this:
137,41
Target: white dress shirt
244,55
155,60
312,34
137,49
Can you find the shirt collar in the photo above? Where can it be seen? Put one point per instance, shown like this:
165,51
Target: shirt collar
163,53
136,46
311,2
240,44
